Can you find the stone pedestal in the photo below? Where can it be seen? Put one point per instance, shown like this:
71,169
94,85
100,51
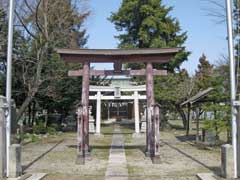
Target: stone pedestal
227,166
15,168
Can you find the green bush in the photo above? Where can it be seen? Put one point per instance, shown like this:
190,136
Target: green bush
51,130
40,129
29,137
55,126
220,122
34,138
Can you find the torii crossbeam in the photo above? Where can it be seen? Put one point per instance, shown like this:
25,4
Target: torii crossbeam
118,57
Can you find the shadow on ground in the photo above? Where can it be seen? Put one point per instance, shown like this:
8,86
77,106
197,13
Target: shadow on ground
216,169
104,147
186,138
41,156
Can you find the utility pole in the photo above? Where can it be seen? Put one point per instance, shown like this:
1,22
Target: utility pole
233,83
9,79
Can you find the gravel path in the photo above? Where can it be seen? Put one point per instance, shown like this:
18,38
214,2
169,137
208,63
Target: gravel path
117,164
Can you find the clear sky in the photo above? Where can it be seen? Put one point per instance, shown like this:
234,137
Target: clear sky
204,35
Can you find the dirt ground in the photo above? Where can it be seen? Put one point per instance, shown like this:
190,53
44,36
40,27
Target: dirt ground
180,158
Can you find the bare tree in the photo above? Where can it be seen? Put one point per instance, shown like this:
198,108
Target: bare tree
216,10
44,25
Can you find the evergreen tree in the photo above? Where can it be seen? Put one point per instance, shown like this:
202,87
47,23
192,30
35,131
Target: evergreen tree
147,24
217,102
172,90
204,74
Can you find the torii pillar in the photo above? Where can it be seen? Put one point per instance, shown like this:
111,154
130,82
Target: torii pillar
83,128
152,135
150,102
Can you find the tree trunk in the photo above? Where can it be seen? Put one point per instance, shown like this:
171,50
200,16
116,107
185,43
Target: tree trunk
183,115
29,115
189,119
25,104
33,113
46,118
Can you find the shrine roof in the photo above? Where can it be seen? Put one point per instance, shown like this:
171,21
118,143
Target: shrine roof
200,95
155,55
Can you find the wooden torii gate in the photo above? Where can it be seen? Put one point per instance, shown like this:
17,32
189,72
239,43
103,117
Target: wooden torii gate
118,57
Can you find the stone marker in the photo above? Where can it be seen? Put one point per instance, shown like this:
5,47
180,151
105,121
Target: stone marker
15,168
227,166
2,138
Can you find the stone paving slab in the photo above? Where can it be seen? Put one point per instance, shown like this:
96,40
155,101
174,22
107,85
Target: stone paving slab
35,176
117,164
206,176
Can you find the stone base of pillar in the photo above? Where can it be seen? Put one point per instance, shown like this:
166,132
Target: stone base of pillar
80,160
227,166
147,154
156,159
15,166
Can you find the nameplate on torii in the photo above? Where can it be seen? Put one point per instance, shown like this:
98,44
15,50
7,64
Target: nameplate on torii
76,73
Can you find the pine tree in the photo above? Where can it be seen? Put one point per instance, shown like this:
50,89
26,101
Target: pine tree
147,24
217,101
204,74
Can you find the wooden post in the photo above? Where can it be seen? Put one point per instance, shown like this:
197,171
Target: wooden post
189,118
80,136
83,128
150,102
156,134
197,125
157,127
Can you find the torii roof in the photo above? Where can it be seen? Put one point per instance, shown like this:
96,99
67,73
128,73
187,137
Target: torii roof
156,55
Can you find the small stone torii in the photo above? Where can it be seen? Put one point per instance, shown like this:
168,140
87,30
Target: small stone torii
135,97
118,57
